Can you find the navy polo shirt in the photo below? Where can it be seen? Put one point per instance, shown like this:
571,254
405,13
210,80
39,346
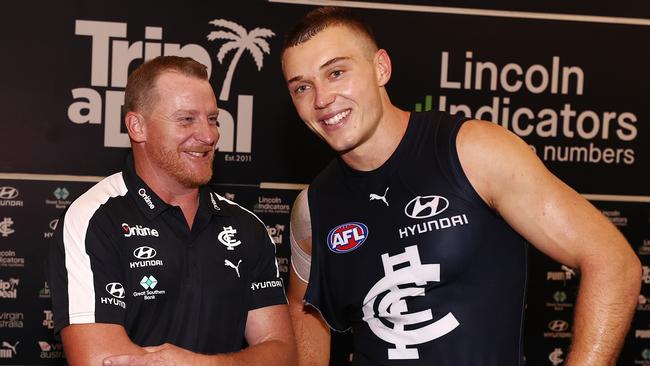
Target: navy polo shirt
121,255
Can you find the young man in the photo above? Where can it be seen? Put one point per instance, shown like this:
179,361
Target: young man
415,236
151,266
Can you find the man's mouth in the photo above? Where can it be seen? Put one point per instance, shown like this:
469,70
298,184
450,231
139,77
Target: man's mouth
198,154
336,118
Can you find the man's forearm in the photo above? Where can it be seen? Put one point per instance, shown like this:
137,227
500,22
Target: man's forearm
606,302
270,353
312,335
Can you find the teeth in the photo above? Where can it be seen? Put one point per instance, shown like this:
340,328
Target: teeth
337,118
197,154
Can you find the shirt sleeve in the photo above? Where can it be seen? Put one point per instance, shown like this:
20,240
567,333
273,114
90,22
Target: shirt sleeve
266,287
84,274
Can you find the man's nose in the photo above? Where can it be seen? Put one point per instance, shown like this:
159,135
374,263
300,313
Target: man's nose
323,97
206,132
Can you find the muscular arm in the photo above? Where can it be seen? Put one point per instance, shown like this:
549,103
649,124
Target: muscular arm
89,344
268,333
563,225
312,333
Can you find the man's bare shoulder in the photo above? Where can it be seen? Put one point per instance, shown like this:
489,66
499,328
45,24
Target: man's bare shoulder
301,221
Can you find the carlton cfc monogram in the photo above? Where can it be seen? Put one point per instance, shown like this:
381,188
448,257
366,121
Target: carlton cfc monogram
388,299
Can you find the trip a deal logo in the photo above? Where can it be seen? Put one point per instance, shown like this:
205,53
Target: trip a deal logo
112,52
347,237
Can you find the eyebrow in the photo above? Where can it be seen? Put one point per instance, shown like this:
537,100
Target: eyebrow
326,64
193,112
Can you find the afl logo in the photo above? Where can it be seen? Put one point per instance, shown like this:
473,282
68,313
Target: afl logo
422,207
144,253
347,237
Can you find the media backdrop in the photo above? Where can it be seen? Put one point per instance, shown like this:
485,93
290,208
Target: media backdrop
571,79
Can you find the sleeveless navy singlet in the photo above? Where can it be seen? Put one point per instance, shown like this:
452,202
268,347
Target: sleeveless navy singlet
413,261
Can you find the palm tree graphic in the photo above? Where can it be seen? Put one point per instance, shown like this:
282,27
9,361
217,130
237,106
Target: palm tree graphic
239,39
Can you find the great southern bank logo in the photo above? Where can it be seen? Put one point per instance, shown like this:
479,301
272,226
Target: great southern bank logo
347,237
112,54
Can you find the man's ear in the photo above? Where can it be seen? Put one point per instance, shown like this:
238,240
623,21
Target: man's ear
135,126
383,67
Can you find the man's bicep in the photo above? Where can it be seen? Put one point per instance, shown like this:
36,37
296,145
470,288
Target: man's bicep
561,223
89,344
540,207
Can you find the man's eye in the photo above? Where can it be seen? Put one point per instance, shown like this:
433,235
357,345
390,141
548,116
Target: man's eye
213,121
336,73
301,89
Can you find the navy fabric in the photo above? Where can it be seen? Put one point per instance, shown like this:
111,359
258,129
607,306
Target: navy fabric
413,261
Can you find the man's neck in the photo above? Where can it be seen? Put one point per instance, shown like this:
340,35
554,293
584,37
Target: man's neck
373,153
170,190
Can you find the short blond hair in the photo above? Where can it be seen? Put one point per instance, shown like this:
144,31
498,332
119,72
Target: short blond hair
322,18
140,86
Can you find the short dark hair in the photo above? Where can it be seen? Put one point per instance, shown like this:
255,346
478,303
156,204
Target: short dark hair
142,81
321,18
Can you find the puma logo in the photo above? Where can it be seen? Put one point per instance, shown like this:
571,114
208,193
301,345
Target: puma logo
235,267
380,198
13,348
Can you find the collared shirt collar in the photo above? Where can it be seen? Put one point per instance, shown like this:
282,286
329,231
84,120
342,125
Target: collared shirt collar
146,199
152,205
208,198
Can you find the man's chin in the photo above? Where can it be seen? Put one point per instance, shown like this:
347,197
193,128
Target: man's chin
205,180
195,181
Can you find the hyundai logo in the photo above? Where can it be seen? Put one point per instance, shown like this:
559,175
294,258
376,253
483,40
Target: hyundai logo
422,207
558,325
8,193
144,252
115,289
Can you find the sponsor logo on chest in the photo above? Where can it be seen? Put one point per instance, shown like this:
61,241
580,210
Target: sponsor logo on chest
227,237
151,289
146,257
388,302
138,230
427,207
347,237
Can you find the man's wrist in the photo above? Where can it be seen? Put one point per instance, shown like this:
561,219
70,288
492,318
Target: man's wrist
199,359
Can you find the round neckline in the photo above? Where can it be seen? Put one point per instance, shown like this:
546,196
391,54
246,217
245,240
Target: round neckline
392,160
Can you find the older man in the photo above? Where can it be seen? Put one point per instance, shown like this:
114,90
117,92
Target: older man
151,266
